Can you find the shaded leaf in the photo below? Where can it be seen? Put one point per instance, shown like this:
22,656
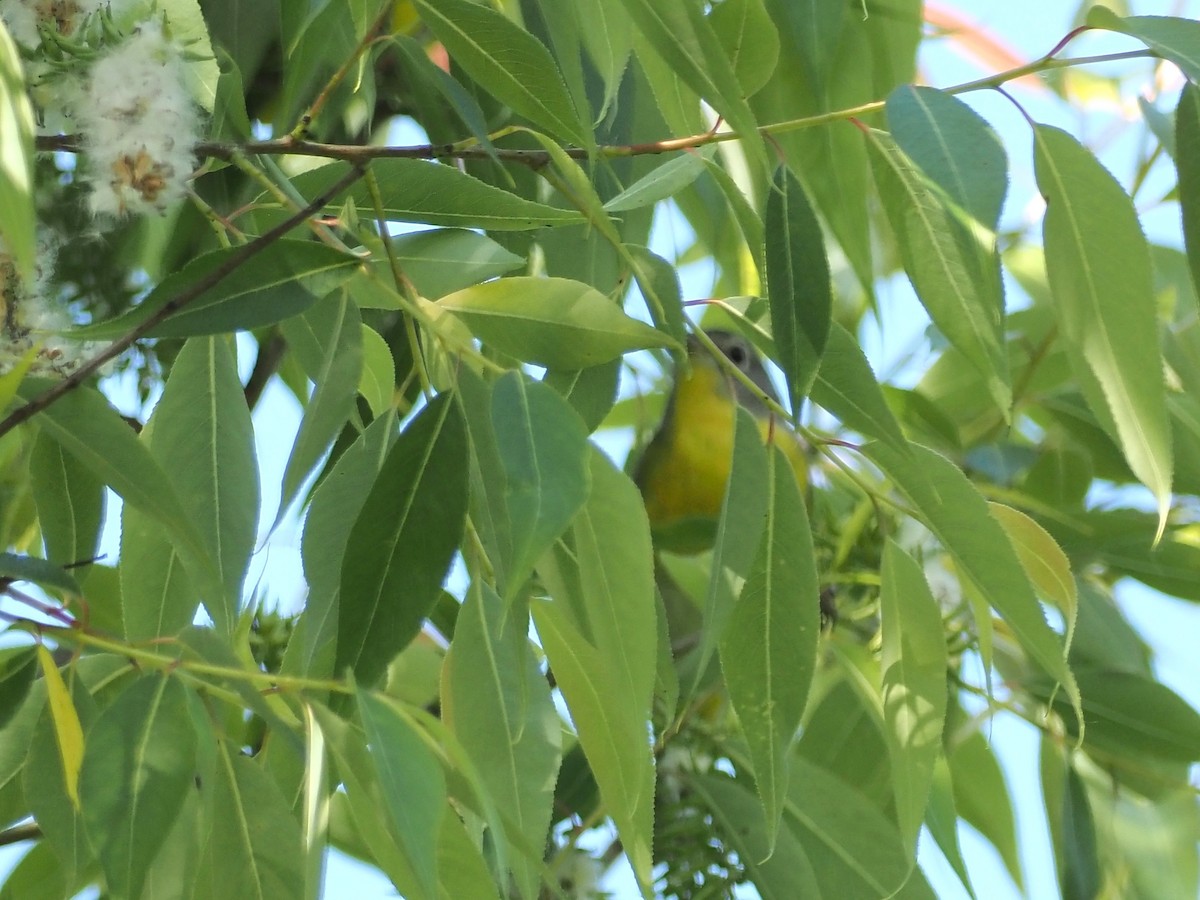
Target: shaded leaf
1187,163
402,541
846,387
1170,37
37,571
749,39
70,503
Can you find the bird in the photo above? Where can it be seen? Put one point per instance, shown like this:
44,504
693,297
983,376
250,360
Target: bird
685,468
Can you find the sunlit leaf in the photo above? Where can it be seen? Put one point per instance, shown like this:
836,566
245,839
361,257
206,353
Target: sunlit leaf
17,232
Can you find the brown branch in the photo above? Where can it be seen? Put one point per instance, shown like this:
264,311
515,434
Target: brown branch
175,304
30,831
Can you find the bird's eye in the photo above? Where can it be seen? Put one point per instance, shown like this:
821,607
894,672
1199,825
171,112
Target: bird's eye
737,354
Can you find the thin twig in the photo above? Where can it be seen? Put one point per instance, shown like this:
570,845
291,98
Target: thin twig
175,304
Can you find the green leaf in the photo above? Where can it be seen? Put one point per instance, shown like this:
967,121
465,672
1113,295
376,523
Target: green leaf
814,27
415,190
89,429
497,702
658,280
402,541
607,35
157,596
662,182
1187,163
438,262
600,636
1044,562
138,767
1081,876
70,502
1099,270
553,322
769,645
983,555
543,447
687,42
983,800
411,781
1170,37
591,391
914,664
516,67
335,505
941,819
951,265
846,387
38,876
68,729
377,382
37,571
955,147
283,280
255,838
17,225
749,39
18,665
201,431
738,537
797,283
328,341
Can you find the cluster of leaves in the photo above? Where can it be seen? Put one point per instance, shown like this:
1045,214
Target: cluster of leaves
710,721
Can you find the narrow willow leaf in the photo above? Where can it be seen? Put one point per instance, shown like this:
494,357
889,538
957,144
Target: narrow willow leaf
38,571
662,182
543,448
1044,561
1170,37
201,432
328,341
1100,274
658,281
982,798
591,391
739,534
255,838
411,780
377,382
70,502
553,322
941,819
769,645
607,35
955,146
11,380
958,516
750,40
1082,875
335,505
496,700
600,636
17,225
1187,163
798,284
67,729
138,766
914,664
953,273
414,190
846,387
158,598
516,67
814,26
88,428
402,541
687,42
282,281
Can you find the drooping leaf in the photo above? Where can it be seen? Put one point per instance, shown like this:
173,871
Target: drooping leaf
411,781
951,265
1171,37
750,40
769,645
497,702
846,387
402,541
553,322
67,728
438,261
1100,275
982,798
70,501
328,341
798,284
914,664
543,448
201,432
1187,163
600,636
138,765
